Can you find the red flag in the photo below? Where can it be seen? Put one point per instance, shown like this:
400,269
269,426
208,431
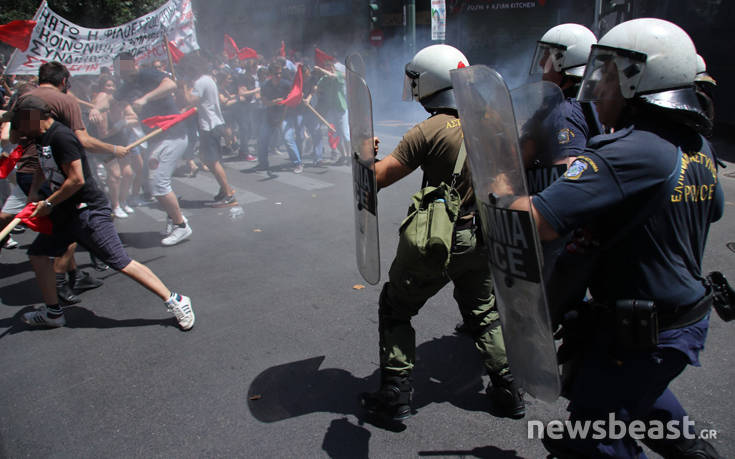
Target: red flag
230,47
166,121
232,51
282,52
17,33
175,52
37,224
246,53
7,163
322,59
332,138
297,91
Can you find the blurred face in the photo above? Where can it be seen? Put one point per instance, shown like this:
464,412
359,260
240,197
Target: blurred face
127,69
109,87
609,100
28,124
158,65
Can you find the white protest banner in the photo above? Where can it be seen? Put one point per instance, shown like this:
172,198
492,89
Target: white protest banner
438,20
84,51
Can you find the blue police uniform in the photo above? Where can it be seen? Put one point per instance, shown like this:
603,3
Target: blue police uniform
557,135
611,184
554,136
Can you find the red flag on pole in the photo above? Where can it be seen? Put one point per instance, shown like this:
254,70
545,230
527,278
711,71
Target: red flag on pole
322,59
333,139
7,163
297,90
246,53
37,224
232,51
282,52
164,122
230,47
175,52
17,33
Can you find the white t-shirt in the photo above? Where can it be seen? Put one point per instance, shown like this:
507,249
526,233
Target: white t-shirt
209,111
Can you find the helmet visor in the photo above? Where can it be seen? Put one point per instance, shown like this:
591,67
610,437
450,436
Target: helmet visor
411,84
611,66
548,56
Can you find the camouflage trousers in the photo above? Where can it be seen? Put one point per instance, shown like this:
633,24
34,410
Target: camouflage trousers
410,287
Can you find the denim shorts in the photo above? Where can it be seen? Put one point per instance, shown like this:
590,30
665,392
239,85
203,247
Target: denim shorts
92,229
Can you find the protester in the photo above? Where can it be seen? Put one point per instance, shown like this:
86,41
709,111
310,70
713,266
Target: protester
203,94
79,212
149,92
111,126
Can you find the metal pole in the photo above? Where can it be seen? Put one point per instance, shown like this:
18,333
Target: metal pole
411,13
596,23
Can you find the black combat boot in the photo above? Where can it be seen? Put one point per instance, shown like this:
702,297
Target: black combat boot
684,448
506,397
392,401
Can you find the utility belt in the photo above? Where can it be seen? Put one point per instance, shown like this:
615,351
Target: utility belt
637,323
464,223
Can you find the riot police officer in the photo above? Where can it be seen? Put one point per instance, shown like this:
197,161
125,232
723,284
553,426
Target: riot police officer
434,145
646,194
561,55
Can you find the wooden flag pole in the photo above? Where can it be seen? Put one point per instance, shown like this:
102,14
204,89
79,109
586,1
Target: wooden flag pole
170,59
151,134
9,228
145,138
321,118
82,102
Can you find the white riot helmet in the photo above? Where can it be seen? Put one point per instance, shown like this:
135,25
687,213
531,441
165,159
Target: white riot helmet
651,56
427,76
565,48
702,75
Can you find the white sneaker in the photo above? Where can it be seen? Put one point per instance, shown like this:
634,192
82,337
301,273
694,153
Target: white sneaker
10,243
168,228
180,306
177,235
40,318
119,213
129,210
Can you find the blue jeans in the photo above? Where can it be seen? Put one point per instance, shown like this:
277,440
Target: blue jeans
292,137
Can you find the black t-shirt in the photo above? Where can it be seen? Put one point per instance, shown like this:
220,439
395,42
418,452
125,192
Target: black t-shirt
146,81
58,146
613,182
274,89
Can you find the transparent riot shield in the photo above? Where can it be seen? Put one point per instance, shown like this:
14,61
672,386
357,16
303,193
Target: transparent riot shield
365,190
537,109
498,177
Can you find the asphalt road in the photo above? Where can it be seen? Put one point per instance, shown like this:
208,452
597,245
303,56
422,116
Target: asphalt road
285,339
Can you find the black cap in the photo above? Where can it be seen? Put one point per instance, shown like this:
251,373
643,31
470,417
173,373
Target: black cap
28,102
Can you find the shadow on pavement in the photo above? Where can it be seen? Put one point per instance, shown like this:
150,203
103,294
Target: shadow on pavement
195,204
21,293
448,369
346,440
142,240
78,317
11,269
490,452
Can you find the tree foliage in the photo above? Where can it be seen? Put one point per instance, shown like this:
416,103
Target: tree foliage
87,13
